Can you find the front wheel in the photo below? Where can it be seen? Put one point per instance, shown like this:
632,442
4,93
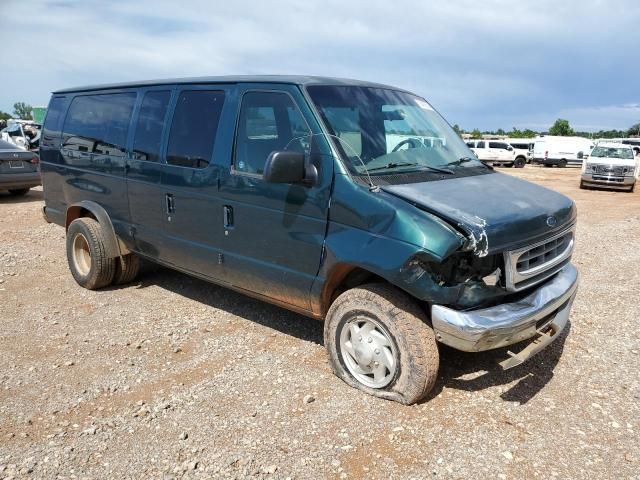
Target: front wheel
562,163
378,341
520,162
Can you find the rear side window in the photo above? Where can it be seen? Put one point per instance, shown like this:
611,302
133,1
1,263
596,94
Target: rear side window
146,145
99,123
480,145
498,145
269,121
194,127
53,121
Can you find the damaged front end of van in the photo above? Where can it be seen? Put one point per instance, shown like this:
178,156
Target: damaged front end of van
490,275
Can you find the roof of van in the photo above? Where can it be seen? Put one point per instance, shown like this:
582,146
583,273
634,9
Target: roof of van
283,79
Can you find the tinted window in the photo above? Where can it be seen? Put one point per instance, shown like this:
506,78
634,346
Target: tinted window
498,145
269,121
53,120
146,145
194,127
99,123
480,145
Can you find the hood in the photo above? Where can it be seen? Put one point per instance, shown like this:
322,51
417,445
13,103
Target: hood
626,162
496,211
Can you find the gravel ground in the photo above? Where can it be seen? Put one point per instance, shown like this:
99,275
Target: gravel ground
173,377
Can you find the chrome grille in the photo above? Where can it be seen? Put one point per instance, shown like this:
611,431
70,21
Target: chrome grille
616,170
532,264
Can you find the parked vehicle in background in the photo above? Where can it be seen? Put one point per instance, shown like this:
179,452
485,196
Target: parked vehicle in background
497,152
323,196
611,165
634,142
523,146
560,151
24,134
18,169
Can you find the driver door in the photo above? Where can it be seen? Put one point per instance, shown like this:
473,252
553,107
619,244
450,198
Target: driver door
273,233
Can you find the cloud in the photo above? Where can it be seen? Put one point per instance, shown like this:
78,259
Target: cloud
489,65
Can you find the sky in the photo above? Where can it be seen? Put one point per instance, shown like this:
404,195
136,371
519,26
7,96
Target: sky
488,65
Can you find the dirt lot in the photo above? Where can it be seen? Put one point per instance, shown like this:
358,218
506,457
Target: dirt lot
173,377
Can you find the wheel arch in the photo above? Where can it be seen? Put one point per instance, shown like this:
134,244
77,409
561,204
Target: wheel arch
86,208
342,277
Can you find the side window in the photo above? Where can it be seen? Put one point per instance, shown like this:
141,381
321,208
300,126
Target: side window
500,145
480,145
99,123
194,127
269,121
53,121
146,145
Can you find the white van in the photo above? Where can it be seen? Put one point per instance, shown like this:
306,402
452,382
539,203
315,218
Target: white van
611,165
497,152
561,151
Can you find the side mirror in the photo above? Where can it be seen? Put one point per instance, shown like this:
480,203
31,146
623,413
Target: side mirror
289,167
580,155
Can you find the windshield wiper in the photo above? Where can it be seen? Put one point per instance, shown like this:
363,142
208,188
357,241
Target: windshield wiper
404,164
462,160
392,165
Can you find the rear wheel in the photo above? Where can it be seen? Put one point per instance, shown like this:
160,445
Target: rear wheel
520,162
378,341
562,163
86,254
18,192
127,268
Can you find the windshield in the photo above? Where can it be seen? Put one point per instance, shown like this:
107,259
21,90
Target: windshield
383,131
612,152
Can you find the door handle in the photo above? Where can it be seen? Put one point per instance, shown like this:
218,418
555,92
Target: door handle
227,216
171,208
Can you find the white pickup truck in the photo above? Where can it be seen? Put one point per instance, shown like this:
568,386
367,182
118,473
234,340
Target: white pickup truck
498,153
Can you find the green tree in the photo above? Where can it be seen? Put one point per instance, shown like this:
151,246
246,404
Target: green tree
561,128
22,110
4,115
500,132
634,130
475,133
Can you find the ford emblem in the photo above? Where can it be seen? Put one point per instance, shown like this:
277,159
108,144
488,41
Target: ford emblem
552,221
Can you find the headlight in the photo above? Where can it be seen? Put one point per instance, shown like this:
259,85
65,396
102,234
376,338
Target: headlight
588,168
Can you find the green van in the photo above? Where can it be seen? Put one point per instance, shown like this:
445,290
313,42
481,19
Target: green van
347,201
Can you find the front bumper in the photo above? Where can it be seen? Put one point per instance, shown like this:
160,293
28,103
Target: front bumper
608,181
542,314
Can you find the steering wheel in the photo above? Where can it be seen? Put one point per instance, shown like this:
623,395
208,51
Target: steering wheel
413,142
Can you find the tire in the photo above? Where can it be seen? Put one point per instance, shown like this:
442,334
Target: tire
582,186
562,163
18,192
520,162
127,269
410,343
633,187
86,254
